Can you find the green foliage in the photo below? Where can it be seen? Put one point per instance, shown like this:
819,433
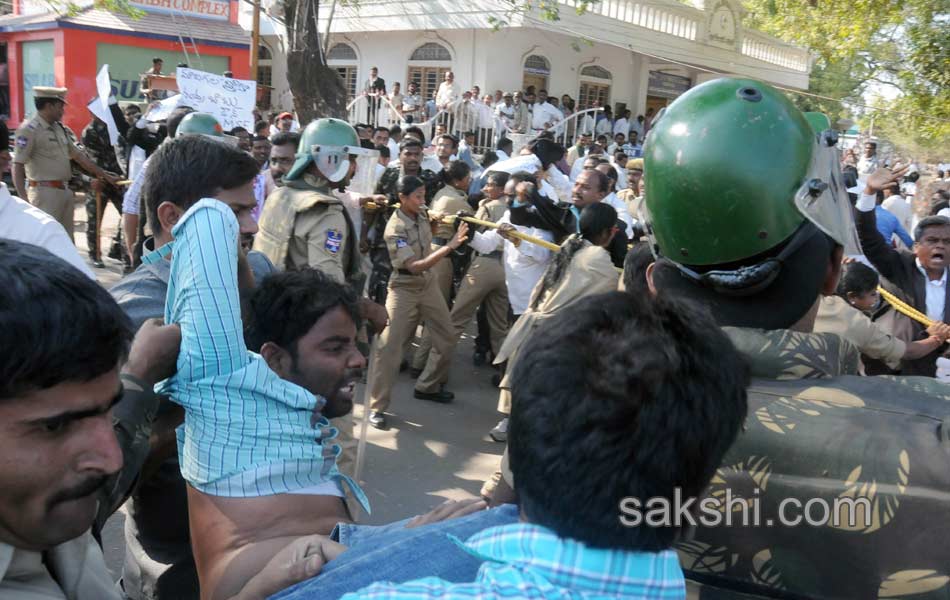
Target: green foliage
904,44
546,9
122,7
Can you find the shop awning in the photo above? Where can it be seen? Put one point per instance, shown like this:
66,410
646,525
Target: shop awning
152,25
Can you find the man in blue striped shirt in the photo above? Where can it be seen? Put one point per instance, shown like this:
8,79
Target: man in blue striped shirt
618,397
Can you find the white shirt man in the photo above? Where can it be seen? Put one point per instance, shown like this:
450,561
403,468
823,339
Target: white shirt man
23,222
622,213
505,114
524,264
486,114
544,115
622,125
449,92
935,291
604,127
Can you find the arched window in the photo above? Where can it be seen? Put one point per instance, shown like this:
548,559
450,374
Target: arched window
431,52
342,57
428,65
265,76
594,87
537,69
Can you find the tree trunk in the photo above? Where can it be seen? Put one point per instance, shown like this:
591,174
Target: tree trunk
317,89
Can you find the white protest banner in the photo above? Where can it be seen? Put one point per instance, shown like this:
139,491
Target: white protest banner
231,101
159,111
104,87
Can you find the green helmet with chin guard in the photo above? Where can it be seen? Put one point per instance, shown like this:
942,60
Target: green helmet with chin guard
328,144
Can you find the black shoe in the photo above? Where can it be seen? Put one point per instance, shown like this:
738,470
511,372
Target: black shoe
377,419
442,396
480,358
98,264
496,379
115,251
414,372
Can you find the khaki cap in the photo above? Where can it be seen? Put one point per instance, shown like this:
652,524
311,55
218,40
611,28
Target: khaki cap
55,93
635,163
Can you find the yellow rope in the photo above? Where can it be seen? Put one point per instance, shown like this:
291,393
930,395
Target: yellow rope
904,308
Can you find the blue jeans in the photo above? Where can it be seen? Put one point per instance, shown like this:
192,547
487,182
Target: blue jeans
394,553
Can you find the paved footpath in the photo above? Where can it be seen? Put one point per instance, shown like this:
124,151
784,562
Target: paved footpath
431,452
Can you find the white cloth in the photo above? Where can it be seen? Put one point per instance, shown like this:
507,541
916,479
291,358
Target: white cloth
561,184
448,93
622,125
501,154
393,149
131,200
544,113
486,116
604,127
73,570
866,166
524,264
900,208
23,222
935,291
137,160
586,124
505,115
622,213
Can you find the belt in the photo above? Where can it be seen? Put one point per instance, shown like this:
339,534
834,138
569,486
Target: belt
495,254
440,241
405,272
53,184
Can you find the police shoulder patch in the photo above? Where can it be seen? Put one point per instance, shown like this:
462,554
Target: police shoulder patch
22,141
334,241
401,243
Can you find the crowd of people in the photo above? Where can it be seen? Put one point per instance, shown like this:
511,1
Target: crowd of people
659,325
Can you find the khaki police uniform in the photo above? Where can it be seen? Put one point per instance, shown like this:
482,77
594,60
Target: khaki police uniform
484,282
303,225
632,202
447,201
410,298
45,150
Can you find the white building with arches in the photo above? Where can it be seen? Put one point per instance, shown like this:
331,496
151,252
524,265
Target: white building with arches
634,54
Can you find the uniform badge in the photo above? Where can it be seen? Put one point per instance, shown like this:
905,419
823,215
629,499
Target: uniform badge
401,243
334,241
22,142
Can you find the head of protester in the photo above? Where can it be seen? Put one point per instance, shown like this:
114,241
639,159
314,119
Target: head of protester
328,151
761,245
303,323
621,414
283,154
858,286
932,244
64,341
194,167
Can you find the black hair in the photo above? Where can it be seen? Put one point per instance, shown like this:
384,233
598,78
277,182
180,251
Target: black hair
185,170
635,268
603,182
4,136
547,151
260,138
157,59
395,130
457,171
504,143
174,119
455,140
931,221
383,151
611,173
368,144
857,278
287,305
940,174
132,108
488,159
378,129
261,125
183,65
499,178
238,130
621,396
58,325
523,177
284,138
407,184
595,219
415,131
41,103
409,142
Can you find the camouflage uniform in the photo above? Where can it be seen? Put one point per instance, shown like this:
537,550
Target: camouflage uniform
815,430
95,141
376,225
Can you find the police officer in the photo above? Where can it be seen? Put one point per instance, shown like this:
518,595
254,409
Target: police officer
303,223
413,293
450,200
483,284
98,145
41,167
758,252
410,163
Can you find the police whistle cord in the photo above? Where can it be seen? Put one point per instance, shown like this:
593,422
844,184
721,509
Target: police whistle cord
904,308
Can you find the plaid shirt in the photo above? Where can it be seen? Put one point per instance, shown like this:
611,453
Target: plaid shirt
531,562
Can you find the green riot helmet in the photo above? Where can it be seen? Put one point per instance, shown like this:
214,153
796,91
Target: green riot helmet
737,181
197,123
327,143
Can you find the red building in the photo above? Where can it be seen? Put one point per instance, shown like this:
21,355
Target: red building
44,48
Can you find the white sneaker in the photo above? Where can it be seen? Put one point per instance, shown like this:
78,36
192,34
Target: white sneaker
500,431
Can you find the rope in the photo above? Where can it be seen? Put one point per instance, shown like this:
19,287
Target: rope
904,308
